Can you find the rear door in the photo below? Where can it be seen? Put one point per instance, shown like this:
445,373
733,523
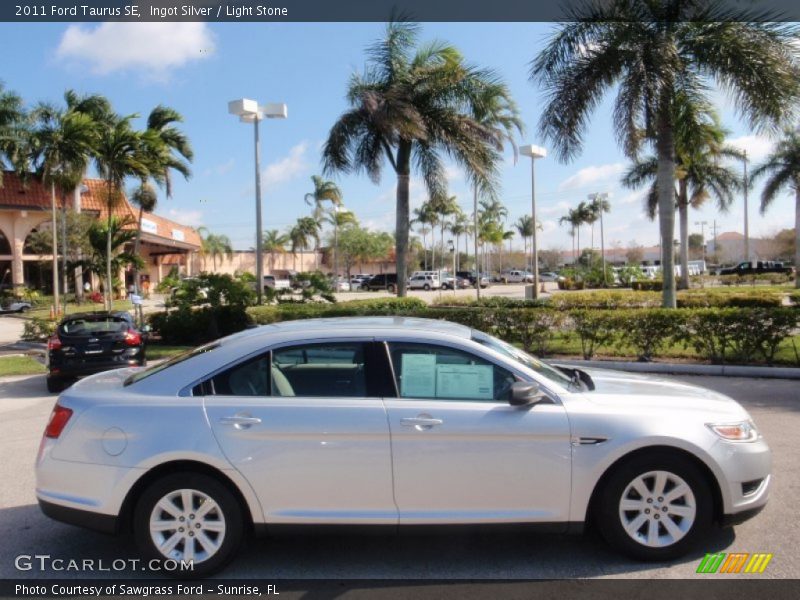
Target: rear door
305,424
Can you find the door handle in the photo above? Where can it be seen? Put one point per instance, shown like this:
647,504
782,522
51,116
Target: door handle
420,423
240,421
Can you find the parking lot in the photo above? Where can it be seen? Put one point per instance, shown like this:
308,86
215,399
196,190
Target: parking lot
775,405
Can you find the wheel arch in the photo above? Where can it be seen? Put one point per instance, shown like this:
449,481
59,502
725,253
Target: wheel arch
125,522
713,482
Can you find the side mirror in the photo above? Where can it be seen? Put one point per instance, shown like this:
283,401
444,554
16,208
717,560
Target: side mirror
525,393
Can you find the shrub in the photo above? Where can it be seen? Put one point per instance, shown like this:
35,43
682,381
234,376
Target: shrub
535,329
187,326
594,328
794,298
606,300
647,285
738,334
311,310
38,330
648,331
744,299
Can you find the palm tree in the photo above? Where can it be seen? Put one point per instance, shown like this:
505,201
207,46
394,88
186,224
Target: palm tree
274,242
121,235
649,50
13,122
409,106
507,235
61,146
782,170
424,216
460,226
524,227
214,245
323,191
598,206
443,206
699,147
118,154
338,218
166,149
574,218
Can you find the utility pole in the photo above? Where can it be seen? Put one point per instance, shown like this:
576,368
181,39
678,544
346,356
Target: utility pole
746,215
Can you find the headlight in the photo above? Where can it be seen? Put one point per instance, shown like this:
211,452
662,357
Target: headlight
744,431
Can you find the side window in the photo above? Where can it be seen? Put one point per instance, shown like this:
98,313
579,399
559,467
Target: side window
325,370
428,371
249,378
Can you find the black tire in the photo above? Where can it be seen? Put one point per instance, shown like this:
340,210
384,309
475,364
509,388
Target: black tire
229,506
426,287
56,385
390,288
609,521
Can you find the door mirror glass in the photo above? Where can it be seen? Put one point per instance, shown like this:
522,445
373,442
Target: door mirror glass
525,393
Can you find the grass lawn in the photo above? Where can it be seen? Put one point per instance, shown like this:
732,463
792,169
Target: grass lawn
43,312
20,365
162,351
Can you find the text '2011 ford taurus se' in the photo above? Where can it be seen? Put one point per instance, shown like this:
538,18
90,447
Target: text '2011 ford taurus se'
392,421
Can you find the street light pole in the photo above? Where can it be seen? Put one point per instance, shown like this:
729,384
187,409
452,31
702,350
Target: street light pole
249,111
534,152
702,239
746,212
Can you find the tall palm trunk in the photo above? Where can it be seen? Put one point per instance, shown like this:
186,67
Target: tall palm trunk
797,234
56,300
401,224
665,181
136,244
683,219
109,286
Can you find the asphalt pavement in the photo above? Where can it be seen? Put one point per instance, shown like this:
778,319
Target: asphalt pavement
774,404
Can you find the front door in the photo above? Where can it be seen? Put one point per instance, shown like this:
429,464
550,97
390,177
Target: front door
462,453
307,433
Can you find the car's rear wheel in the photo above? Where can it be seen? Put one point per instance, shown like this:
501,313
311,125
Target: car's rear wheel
56,385
189,517
655,507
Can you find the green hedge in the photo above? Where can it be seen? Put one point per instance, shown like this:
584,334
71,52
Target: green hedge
262,315
794,298
38,330
200,325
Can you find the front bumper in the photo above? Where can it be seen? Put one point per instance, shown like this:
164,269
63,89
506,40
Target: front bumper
745,480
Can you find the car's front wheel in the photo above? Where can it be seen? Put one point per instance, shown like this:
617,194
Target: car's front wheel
189,517
390,288
655,507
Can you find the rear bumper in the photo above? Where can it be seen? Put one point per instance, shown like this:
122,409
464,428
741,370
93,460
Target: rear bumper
81,518
76,370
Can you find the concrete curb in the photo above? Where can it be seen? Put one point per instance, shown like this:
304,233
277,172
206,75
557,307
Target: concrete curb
687,369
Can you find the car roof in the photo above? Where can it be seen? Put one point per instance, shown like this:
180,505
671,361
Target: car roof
344,325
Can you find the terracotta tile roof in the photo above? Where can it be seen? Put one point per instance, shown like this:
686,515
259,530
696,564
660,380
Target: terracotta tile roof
36,196
730,236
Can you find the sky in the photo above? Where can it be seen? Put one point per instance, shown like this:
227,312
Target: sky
197,68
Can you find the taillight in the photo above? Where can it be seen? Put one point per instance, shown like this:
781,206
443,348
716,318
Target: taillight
54,343
133,338
58,420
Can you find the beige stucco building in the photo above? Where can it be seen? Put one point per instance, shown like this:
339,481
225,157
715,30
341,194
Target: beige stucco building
25,207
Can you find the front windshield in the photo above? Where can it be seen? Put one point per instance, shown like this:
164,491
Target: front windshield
522,357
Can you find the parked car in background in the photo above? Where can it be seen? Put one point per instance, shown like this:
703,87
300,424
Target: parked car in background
393,421
277,283
757,267
424,282
472,278
16,306
85,343
340,284
516,276
548,276
450,282
357,282
383,282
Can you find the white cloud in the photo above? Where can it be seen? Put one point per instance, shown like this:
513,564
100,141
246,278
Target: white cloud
757,146
561,207
592,175
154,49
220,169
192,218
288,168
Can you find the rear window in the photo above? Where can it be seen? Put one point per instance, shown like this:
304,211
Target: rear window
93,326
145,373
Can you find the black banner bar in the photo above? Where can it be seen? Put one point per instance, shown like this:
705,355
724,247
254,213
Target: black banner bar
339,10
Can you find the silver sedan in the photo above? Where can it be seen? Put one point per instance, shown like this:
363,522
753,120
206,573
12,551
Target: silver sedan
392,422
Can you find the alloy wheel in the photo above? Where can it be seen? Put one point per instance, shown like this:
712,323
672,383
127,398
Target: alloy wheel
187,525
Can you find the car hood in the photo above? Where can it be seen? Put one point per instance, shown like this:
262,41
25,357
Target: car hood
646,391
